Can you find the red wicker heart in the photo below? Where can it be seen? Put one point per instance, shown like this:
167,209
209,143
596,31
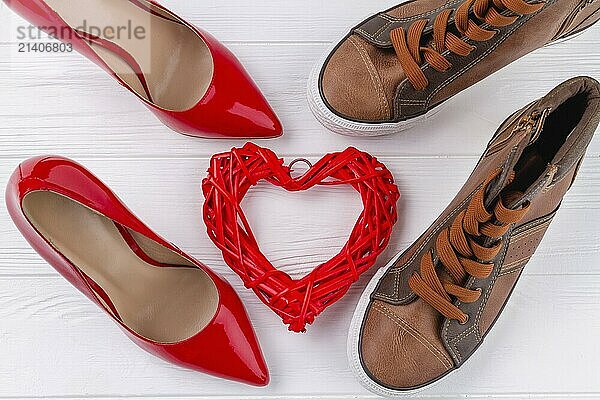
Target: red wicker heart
298,302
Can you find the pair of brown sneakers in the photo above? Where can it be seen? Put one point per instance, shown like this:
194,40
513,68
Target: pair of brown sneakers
426,312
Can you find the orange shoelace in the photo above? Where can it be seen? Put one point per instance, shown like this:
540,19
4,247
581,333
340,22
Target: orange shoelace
411,53
461,253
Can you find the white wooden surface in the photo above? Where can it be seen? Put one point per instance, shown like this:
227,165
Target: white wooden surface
54,343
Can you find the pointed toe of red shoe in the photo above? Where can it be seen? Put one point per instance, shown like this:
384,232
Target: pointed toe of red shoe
243,117
269,127
235,360
247,114
232,107
235,353
254,119
246,362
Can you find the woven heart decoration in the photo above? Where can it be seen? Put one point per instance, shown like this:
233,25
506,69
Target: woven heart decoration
298,302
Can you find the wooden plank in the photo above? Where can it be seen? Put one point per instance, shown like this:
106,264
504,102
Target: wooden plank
56,343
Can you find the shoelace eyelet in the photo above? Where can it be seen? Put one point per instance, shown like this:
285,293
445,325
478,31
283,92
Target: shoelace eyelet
466,321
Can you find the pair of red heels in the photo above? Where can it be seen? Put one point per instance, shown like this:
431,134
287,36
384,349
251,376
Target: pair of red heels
186,77
166,301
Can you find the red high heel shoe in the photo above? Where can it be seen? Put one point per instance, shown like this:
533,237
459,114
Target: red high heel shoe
184,75
164,300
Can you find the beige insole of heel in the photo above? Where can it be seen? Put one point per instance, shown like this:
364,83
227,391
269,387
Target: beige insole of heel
163,304
175,61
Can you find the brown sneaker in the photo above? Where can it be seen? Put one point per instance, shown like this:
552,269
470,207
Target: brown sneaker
395,69
425,313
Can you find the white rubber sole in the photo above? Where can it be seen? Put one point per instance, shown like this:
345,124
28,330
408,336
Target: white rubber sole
347,127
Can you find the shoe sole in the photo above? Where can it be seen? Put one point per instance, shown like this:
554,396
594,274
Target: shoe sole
347,127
